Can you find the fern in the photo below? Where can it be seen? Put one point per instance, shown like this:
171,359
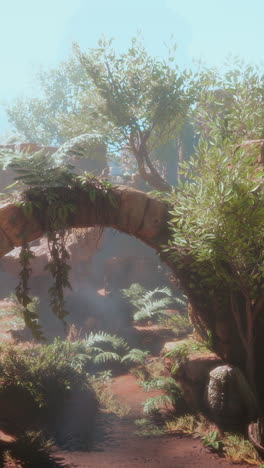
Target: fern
150,294
180,353
134,294
135,356
102,337
40,170
82,146
156,403
151,304
152,307
173,395
106,356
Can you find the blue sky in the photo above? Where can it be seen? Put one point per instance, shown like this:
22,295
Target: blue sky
38,33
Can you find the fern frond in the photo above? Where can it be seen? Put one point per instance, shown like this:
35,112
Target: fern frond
135,294
40,169
102,337
135,355
183,301
106,356
83,146
151,308
156,403
164,291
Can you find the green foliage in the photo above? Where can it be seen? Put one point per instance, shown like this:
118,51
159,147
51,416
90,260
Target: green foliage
135,93
172,395
234,446
135,356
101,337
153,305
180,353
32,448
179,323
230,103
211,440
37,119
39,169
217,223
101,384
238,449
50,371
48,181
106,348
29,311
130,102
148,304
44,372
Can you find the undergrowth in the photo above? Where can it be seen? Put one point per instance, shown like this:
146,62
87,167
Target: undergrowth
234,446
153,306
179,354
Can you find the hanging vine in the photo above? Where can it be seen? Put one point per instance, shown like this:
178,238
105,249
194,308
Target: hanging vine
30,316
49,198
58,266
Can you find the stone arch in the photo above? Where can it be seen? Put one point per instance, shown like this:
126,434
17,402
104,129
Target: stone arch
133,212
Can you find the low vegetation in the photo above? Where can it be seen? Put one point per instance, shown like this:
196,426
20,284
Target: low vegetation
155,306
60,387
179,354
233,446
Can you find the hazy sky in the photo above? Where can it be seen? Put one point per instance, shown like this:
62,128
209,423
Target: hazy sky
36,33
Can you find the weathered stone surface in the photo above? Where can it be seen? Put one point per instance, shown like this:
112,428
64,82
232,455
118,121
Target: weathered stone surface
16,226
140,214
5,243
229,397
198,365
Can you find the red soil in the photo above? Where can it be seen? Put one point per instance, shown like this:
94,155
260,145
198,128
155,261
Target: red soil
121,448
124,449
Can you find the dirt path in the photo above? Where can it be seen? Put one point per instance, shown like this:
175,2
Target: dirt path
118,445
121,448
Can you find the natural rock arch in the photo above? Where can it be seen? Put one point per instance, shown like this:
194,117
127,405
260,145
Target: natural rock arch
133,212
146,218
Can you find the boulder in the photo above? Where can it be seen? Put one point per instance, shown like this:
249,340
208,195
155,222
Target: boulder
229,397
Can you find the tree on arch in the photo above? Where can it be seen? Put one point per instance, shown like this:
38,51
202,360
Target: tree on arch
132,102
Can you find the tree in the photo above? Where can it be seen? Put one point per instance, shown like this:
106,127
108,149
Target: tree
141,103
131,102
217,240
230,103
36,119
218,216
